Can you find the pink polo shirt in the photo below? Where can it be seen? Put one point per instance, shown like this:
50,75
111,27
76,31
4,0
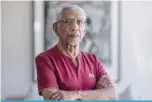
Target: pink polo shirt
56,70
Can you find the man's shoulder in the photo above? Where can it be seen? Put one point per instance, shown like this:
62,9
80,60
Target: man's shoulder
90,57
45,54
88,54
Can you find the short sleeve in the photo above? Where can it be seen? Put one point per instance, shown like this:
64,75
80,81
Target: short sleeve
100,71
45,73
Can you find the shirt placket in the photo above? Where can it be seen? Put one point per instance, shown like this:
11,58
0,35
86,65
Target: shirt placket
76,71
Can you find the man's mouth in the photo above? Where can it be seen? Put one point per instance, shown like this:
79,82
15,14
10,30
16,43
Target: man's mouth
74,36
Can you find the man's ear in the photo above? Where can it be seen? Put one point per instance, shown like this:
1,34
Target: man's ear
55,28
85,31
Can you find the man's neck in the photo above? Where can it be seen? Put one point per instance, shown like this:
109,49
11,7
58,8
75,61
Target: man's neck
69,50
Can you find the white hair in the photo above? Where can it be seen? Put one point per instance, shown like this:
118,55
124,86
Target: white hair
62,7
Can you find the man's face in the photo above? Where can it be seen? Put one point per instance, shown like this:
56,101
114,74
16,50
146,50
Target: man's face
71,27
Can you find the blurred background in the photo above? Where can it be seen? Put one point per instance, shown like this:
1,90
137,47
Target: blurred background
120,34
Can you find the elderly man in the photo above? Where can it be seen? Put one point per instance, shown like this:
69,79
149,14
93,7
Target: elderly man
66,73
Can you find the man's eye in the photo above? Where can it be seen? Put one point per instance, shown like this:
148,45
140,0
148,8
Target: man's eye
68,21
80,22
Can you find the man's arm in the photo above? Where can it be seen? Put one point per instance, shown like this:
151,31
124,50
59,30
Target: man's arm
105,90
56,94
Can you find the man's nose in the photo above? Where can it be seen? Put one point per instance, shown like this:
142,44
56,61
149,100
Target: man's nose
74,26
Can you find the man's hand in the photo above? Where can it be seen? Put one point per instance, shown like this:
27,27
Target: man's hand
58,95
49,94
105,82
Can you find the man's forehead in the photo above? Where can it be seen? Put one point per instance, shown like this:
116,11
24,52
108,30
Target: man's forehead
72,13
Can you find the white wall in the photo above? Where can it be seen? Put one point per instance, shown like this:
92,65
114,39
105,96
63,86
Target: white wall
17,50
136,53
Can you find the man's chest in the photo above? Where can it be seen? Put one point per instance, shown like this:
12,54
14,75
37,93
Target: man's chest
70,77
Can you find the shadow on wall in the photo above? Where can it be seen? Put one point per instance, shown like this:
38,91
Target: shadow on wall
126,94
